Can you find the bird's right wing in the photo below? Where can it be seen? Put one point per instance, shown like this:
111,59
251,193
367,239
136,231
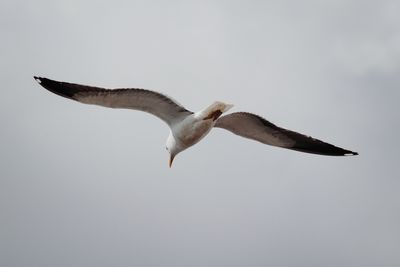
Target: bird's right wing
139,99
257,128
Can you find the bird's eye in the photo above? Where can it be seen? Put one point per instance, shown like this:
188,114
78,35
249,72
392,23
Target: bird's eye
166,148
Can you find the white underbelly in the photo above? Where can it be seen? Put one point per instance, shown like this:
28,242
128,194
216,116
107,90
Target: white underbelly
192,131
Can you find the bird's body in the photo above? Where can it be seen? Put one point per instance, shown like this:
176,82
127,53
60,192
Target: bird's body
194,127
197,125
188,128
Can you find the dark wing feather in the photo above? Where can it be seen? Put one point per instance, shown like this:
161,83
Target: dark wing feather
139,99
257,128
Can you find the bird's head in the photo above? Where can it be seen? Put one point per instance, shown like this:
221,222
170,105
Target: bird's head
173,148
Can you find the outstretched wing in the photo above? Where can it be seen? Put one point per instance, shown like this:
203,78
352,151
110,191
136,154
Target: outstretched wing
255,127
139,99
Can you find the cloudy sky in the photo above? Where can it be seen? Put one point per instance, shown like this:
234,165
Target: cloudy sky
88,186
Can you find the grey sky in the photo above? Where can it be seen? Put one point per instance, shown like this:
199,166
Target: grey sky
89,186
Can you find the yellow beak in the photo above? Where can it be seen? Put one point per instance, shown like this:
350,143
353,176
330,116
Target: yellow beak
171,159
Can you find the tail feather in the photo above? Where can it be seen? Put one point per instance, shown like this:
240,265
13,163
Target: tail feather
214,111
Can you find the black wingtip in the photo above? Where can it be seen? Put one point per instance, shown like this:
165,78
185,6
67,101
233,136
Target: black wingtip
41,80
316,146
60,88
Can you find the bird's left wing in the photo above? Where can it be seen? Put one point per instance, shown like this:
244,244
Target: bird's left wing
257,128
139,99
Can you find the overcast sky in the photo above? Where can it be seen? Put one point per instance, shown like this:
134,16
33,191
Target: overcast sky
88,186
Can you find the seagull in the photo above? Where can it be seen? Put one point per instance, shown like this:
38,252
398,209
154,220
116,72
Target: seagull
186,127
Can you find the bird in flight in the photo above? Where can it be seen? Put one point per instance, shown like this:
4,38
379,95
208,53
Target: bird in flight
187,127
